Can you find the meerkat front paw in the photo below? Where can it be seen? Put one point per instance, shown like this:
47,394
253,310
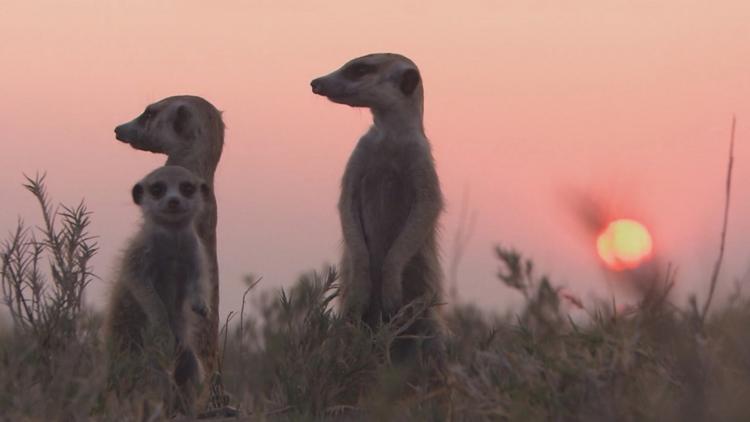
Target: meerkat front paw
393,295
354,306
355,293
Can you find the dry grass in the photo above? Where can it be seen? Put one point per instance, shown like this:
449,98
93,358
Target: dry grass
296,359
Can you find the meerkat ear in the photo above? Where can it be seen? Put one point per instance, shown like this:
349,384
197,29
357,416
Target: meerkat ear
137,193
205,191
409,81
181,121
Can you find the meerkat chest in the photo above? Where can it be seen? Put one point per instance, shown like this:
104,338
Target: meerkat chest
386,194
173,260
386,178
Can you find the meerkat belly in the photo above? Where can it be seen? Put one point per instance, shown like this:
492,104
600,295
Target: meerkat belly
172,267
385,201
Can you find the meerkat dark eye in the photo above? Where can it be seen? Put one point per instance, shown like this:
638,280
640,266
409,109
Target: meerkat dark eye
147,115
187,189
157,190
358,70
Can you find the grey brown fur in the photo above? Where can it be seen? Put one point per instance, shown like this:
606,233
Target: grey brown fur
190,131
390,194
161,289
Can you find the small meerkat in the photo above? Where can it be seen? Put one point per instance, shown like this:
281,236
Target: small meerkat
190,131
162,280
390,193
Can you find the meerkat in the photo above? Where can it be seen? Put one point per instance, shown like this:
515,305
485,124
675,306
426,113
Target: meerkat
390,198
190,131
162,280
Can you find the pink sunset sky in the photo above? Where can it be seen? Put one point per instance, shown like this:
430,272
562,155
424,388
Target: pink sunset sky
529,104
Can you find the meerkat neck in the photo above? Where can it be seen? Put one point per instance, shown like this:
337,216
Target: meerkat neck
176,230
398,120
198,165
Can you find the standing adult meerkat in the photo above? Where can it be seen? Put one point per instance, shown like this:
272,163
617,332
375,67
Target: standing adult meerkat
161,290
190,131
390,194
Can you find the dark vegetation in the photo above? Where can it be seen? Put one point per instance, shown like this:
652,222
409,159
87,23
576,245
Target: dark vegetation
289,356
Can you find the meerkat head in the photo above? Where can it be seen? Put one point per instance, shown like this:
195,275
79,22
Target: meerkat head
176,126
170,195
378,81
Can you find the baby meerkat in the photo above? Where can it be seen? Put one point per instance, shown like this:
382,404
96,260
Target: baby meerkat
390,194
162,281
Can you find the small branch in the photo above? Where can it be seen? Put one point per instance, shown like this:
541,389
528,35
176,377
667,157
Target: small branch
464,231
226,334
727,195
250,286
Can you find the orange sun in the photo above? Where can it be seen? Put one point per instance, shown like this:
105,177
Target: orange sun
624,244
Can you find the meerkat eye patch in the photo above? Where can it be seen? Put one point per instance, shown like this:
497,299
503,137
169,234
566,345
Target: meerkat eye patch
358,70
157,190
409,81
181,121
147,115
187,189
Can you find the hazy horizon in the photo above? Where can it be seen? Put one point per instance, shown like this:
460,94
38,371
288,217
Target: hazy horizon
530,106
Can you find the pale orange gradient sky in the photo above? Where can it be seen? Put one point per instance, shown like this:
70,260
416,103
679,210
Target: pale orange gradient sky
526,102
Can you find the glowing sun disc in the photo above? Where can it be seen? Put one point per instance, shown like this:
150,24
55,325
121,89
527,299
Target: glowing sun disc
624,244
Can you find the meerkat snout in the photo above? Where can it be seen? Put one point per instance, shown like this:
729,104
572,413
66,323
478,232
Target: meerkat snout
173,205
316,85
376,81
121,133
